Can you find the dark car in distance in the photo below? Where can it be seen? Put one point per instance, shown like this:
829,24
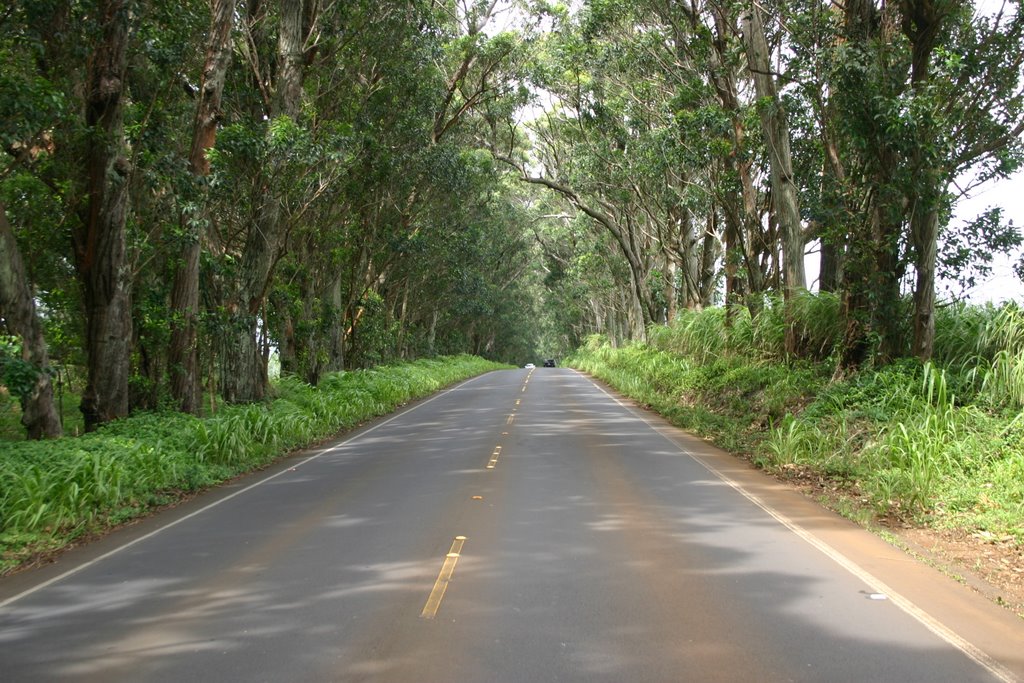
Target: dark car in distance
549,363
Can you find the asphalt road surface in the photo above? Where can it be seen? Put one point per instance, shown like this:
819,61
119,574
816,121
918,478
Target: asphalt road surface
522,526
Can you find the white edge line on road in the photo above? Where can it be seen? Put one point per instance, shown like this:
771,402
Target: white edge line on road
140,539
935,626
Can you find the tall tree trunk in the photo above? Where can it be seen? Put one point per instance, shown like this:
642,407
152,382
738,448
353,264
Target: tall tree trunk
924,231
18,309
784,196
183,353
100,241
873,268
708,259
743,225
432,332
923,21
833,236
831,266
245,372
858,289
733,284
287,343
886,275
336,333
871,276
682,264
669,289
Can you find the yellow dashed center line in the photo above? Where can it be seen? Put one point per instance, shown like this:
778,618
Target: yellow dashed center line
441,585
450,560
494,458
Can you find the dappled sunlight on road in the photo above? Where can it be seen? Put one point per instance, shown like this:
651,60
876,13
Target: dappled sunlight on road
588,546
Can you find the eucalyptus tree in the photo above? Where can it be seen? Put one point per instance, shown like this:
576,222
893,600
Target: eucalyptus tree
183,356
775,127
967,97
403,90
26,115
652,139
601,145
370,111
86,166
99,175
945,98
472,283
830,197
99,239
583,276
714,113
20,317
244,362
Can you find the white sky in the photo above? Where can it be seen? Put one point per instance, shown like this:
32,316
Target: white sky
1004,284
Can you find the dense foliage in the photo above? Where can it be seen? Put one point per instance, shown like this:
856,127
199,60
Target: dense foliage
710,145
189,189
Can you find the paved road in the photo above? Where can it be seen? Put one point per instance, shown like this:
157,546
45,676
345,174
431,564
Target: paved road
524,526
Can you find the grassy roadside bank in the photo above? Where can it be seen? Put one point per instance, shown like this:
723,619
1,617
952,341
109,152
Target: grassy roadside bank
894,441
937,447
55,492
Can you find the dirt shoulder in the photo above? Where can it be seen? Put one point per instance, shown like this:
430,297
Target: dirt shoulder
989,565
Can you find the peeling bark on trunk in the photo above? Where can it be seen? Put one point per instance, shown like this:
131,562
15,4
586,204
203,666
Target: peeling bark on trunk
923,21
831,267
784,196
244,369
709,259
183,354
669,291
742,222
18,309
100,242
924,230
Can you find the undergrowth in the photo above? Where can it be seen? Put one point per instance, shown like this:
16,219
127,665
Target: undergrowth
54,491
939,443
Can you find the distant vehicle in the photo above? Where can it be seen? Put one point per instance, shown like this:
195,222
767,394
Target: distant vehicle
549,363
529,366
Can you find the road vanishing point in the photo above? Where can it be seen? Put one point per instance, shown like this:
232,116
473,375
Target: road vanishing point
526,525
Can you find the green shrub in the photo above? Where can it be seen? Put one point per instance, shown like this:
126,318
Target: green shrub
50,490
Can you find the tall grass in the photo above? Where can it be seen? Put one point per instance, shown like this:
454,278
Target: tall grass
711,333
987,344
55,489
940,442
1002,382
